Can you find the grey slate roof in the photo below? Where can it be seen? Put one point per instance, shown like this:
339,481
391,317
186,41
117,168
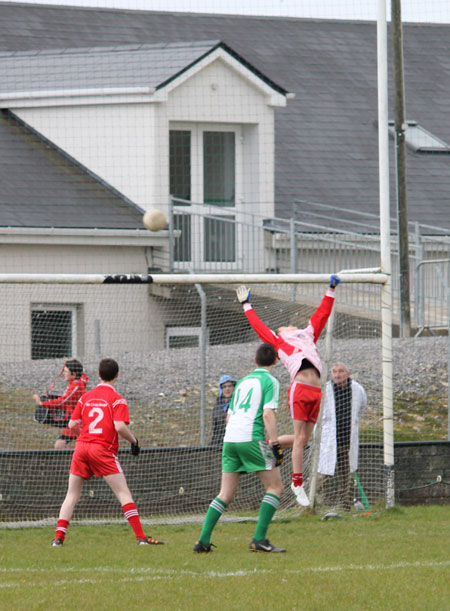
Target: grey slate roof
122,66
41,187
326,140
138,65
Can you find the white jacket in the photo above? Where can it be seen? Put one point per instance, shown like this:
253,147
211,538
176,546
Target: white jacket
327,458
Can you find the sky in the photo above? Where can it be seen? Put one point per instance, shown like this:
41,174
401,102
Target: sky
430,11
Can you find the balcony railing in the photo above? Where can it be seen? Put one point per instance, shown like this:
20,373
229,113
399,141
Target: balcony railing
207,238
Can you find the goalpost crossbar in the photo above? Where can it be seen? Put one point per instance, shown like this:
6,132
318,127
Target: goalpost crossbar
353,276
174,345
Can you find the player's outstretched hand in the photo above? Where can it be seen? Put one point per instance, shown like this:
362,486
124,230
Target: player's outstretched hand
334,281
278,453
243,294
135,448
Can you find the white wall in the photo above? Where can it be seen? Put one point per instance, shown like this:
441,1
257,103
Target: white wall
127,144
129,319
218,94
53,259
116,142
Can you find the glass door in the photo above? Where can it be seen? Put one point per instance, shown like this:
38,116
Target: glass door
205,179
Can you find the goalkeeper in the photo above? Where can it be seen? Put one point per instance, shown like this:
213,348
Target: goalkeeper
297,350
251,413
100,416
77,380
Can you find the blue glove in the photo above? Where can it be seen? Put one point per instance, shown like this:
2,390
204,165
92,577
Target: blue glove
334,281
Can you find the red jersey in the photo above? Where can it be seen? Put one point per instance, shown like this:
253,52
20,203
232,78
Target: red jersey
294,346
96,412
70,398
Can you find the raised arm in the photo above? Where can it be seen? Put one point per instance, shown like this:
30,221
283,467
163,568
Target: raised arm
319,319
264,333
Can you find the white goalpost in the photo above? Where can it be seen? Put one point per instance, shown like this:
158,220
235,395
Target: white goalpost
172,166
174,336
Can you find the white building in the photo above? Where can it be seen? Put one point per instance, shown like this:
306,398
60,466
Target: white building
136,125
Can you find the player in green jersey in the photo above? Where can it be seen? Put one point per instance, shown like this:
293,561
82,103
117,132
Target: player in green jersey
245,450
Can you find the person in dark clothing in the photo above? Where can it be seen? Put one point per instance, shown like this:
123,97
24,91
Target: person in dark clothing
345,403
226,388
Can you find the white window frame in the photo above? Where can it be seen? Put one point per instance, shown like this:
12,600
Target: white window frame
197,207
74,309
185,332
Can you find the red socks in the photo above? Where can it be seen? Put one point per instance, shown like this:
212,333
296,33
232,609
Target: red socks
297,479
132,515
61,529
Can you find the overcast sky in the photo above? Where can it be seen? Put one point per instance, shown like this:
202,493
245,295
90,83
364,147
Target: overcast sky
434,11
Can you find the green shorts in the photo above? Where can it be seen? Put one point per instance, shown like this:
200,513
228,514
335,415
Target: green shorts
247,457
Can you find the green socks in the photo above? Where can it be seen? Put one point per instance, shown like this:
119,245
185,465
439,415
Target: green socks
213,514
269,505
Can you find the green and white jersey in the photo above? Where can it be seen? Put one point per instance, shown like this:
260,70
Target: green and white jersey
253,394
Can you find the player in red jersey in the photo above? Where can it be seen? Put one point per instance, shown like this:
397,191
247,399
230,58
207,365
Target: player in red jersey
77,380
101,415
296,348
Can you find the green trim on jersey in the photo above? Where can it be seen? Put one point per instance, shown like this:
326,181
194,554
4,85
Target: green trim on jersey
253,394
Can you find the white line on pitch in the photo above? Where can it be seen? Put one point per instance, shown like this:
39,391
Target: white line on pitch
149,574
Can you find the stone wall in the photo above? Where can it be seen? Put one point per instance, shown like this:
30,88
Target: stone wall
422,473
179,481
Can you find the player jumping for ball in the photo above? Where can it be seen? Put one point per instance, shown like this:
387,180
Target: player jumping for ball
297,350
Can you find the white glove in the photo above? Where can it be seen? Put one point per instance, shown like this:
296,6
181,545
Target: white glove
243,294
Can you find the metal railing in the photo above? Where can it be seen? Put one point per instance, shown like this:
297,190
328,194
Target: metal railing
208,238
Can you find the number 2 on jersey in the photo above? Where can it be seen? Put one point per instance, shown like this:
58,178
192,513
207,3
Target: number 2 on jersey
92,425
245,404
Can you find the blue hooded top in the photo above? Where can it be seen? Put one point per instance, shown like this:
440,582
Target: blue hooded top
224,379
220,412
224,404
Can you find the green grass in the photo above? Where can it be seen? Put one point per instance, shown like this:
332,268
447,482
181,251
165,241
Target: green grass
421,417
393,559
160,422
417,417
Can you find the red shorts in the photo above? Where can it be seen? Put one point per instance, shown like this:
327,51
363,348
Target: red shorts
93,459
304,401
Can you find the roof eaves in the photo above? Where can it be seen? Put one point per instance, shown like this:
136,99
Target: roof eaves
236,56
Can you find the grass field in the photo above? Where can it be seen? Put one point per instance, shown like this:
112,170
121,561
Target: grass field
393,559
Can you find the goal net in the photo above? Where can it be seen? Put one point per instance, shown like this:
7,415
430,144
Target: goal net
173,342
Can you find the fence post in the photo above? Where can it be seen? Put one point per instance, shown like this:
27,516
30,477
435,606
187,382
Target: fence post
293,255
446,288
171,236
420,289
448,360
202,295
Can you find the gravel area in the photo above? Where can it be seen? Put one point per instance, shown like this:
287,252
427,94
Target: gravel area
417,363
